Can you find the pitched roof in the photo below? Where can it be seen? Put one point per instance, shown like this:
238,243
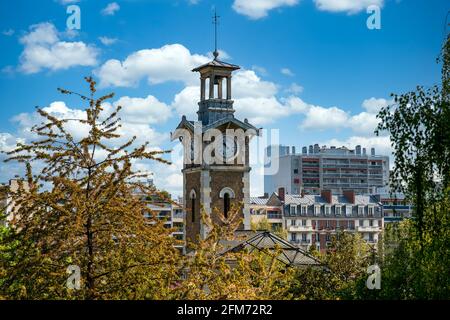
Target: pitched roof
217,64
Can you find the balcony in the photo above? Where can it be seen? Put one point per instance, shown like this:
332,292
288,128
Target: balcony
300,228
368,229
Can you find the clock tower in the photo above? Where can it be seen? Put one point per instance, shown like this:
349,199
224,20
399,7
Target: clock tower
216,165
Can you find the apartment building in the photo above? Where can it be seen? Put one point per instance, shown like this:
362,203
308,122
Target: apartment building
314,219
268,209
322,168
174,217
395,205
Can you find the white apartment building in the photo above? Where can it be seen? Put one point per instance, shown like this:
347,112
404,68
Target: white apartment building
322,168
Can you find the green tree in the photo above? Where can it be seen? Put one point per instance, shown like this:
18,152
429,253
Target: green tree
415,265
85,208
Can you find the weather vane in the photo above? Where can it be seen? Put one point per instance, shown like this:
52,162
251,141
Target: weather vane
216,23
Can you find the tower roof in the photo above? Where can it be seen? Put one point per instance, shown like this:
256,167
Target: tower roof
217,64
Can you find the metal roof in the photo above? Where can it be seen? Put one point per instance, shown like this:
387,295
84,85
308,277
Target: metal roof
289,254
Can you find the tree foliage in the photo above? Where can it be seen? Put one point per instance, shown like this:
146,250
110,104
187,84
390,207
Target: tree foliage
82,209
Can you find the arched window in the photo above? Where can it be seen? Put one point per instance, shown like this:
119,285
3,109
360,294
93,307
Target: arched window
226,205
193,196
226,194
193,209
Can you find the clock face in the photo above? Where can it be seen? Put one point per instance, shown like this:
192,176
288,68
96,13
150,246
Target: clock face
228,148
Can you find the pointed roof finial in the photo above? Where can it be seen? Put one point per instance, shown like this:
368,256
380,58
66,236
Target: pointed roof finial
216,23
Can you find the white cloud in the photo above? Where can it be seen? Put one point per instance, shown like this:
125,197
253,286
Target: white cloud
320,118
110,9
349,6
8,32
185,102
107,41
294,88
287,72
246,83
257,9
364,123
169,63
374,105
143,110
44,50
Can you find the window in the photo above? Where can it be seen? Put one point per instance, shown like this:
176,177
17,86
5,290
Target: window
293,209
327,210
327,224
295,171
370,237
328,237
193,209
293,222
337,210
293,237
226,205
360,210
316,210
348,210
304,210
304,223
193,196
304,238
371,209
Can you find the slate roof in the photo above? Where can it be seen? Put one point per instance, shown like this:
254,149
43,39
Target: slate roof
259,201
316,199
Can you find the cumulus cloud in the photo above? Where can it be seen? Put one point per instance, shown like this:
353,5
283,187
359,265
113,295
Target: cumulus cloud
143,110
349,6
257,9
287,72
321,118
110,9
107,41
374,105
44,50
169,63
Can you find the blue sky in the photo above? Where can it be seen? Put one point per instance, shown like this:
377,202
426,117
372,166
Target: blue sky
310,68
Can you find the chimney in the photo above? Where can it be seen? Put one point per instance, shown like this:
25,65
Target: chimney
305,150
293,150
358,149
266,195
316,148
350,195
327,195
281,193
372,151
311,149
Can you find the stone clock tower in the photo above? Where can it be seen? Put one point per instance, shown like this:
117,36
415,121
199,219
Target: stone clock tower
216,152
